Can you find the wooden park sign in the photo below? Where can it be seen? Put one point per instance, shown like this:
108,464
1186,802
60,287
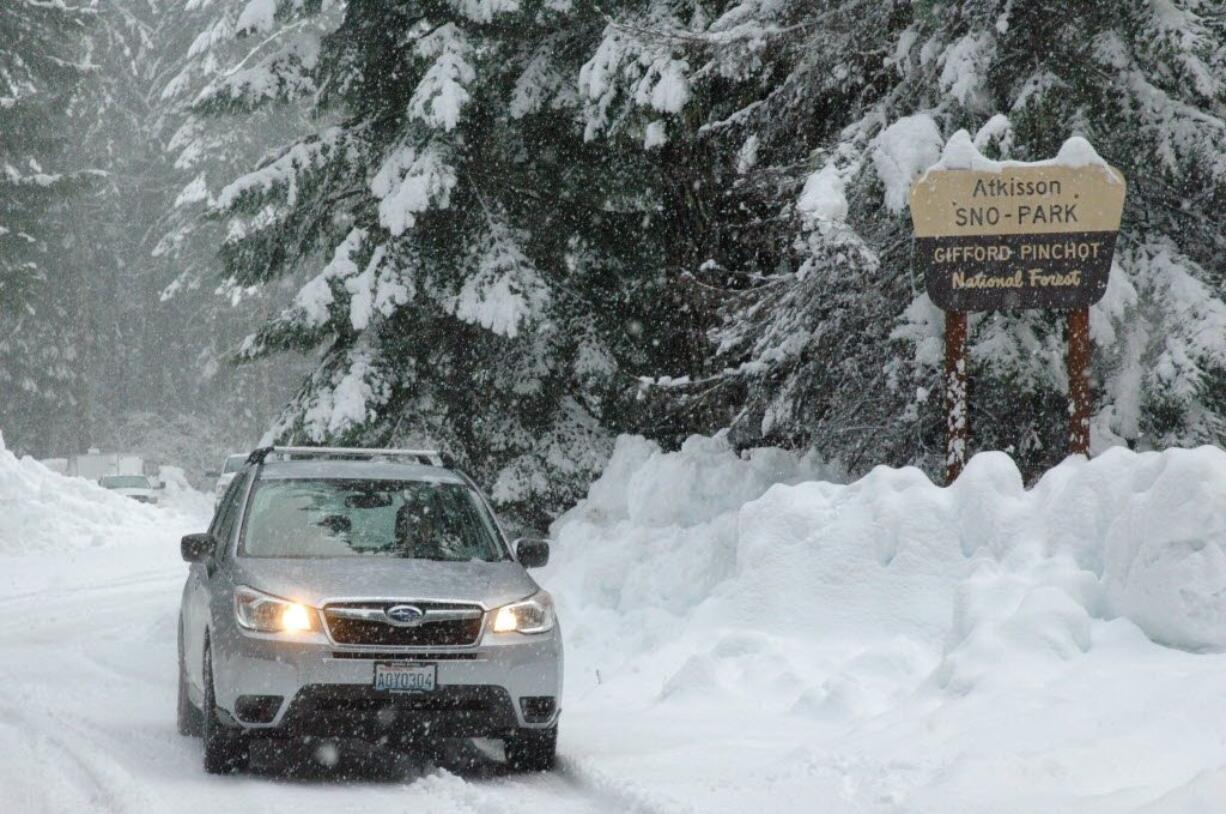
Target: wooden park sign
998,236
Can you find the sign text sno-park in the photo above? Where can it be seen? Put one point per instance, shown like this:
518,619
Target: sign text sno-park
1017,235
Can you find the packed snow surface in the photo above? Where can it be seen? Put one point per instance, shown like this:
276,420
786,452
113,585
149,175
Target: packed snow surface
742,631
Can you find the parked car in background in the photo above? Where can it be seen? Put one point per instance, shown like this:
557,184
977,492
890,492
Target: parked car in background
137,487
229,468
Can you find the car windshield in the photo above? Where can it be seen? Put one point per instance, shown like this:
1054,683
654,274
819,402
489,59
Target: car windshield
423,520
124,482
233,464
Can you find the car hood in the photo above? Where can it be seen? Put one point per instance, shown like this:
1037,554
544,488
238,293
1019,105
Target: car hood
318,581
134,491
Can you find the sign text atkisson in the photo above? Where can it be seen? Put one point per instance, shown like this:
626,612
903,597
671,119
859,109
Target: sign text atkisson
1026,236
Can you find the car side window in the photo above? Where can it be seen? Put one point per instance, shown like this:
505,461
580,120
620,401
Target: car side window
227,513
223,506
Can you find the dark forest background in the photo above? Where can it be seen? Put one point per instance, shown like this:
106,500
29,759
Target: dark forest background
517,228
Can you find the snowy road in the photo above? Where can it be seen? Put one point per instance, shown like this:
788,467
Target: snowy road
87,691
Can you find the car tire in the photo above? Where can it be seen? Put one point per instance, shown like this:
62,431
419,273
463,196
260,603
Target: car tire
532,750
225,750
190,720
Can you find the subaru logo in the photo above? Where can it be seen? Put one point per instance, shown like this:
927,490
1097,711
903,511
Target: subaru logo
404,615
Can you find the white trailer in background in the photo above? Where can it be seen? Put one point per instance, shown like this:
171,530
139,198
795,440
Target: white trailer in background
94,464
59,465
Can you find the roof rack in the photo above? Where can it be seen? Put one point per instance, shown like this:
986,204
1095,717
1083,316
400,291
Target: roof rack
430,457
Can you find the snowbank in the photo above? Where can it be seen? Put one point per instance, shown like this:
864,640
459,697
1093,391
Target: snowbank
708,559
178,494
44,511
659,531
892,645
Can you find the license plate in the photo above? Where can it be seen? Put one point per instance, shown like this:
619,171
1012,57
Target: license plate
405,677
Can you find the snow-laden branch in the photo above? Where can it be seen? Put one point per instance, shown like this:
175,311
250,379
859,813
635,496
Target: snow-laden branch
740,33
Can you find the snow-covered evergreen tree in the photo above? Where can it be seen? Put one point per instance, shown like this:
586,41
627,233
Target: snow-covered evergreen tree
202,43
819,115
481,274
40,68
120,308
193,43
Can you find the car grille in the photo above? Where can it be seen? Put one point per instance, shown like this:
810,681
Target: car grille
393,655
430,703
366,632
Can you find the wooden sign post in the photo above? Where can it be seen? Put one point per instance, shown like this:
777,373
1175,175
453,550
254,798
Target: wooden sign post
1079,381
998,236
957,401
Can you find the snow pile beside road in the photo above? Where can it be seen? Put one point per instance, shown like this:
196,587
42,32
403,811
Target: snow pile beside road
1141,537
892,645
178,495
696,552
44,511
658,532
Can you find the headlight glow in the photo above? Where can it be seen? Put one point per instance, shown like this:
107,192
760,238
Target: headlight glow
532,615
295,617
260,612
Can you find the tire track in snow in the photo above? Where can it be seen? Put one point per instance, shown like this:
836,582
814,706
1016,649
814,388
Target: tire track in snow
67,651
103,782
511,794
161,576
545,791
79,617
617,794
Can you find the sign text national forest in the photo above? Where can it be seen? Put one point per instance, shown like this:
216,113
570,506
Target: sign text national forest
1026,236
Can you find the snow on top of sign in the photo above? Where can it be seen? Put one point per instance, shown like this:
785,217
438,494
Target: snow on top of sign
1078,152
960,153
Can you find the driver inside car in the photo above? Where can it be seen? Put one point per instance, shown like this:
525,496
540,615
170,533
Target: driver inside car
423,533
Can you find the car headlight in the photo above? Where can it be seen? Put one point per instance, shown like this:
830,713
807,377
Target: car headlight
532,615
268,614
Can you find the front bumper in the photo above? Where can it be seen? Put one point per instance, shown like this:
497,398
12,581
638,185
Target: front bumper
348,710
321,688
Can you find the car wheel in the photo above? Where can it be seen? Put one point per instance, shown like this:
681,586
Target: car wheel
225,750
532,750
190,721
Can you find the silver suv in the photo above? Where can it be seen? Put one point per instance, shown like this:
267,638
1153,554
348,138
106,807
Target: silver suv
364,593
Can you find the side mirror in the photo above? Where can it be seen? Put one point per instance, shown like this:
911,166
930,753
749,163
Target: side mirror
198,547
532,553
212,473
